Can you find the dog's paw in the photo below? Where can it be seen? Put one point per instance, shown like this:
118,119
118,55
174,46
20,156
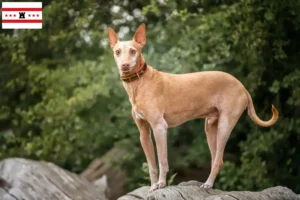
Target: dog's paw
206,186
153,187
157,185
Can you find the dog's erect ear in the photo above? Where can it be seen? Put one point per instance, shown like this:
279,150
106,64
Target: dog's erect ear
140,35
112,36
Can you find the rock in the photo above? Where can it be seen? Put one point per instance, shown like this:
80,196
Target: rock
22,179
191,191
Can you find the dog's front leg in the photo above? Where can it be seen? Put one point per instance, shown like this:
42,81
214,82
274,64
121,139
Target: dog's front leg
160,134
147,144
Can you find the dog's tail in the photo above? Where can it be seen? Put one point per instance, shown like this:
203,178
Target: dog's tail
255,118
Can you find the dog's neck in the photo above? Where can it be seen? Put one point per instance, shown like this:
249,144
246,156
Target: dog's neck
133,80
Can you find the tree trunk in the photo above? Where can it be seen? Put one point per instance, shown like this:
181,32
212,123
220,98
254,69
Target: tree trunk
109,165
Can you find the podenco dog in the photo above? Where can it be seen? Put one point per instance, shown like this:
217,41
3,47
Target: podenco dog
161,100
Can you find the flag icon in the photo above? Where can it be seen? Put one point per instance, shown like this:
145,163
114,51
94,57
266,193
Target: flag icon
22,15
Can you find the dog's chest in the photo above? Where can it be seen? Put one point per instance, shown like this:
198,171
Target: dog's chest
138,113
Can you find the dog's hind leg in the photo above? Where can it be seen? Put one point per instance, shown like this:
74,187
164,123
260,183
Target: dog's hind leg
226,122
211,126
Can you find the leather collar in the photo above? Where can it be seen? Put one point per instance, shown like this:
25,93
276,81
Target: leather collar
136,75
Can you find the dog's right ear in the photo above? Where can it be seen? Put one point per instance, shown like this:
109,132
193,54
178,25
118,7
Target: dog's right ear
113,38
140,35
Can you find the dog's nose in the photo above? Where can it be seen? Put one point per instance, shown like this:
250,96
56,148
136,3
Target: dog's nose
125,66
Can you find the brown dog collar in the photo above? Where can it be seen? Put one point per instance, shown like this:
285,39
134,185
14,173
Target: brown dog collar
137,74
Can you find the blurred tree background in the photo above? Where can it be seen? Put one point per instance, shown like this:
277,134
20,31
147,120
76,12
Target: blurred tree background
62,100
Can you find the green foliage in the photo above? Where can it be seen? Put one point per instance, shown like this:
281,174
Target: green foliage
62,101
171,179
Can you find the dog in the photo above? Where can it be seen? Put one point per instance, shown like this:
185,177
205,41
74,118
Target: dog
161,100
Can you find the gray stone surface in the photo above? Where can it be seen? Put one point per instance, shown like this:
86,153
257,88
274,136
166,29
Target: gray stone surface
22,179
191,191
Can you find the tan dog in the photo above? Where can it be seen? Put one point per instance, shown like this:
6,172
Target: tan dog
160,100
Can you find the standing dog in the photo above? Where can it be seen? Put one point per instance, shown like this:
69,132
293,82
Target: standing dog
160,100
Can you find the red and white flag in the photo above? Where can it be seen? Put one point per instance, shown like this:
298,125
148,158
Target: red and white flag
22,15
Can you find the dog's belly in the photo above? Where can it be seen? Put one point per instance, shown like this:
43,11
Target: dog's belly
176,119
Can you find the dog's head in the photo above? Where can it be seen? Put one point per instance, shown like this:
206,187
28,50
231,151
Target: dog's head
127,54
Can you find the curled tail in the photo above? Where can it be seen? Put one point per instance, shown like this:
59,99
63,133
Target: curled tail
254,117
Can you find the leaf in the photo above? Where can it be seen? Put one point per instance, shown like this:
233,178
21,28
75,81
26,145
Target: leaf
171,179
269,15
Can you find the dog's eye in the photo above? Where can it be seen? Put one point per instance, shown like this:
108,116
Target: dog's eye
132,51
118,52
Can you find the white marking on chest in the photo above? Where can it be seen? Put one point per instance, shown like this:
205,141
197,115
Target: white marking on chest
139,115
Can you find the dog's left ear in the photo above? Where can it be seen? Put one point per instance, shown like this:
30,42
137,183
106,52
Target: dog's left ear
112,37
140,35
